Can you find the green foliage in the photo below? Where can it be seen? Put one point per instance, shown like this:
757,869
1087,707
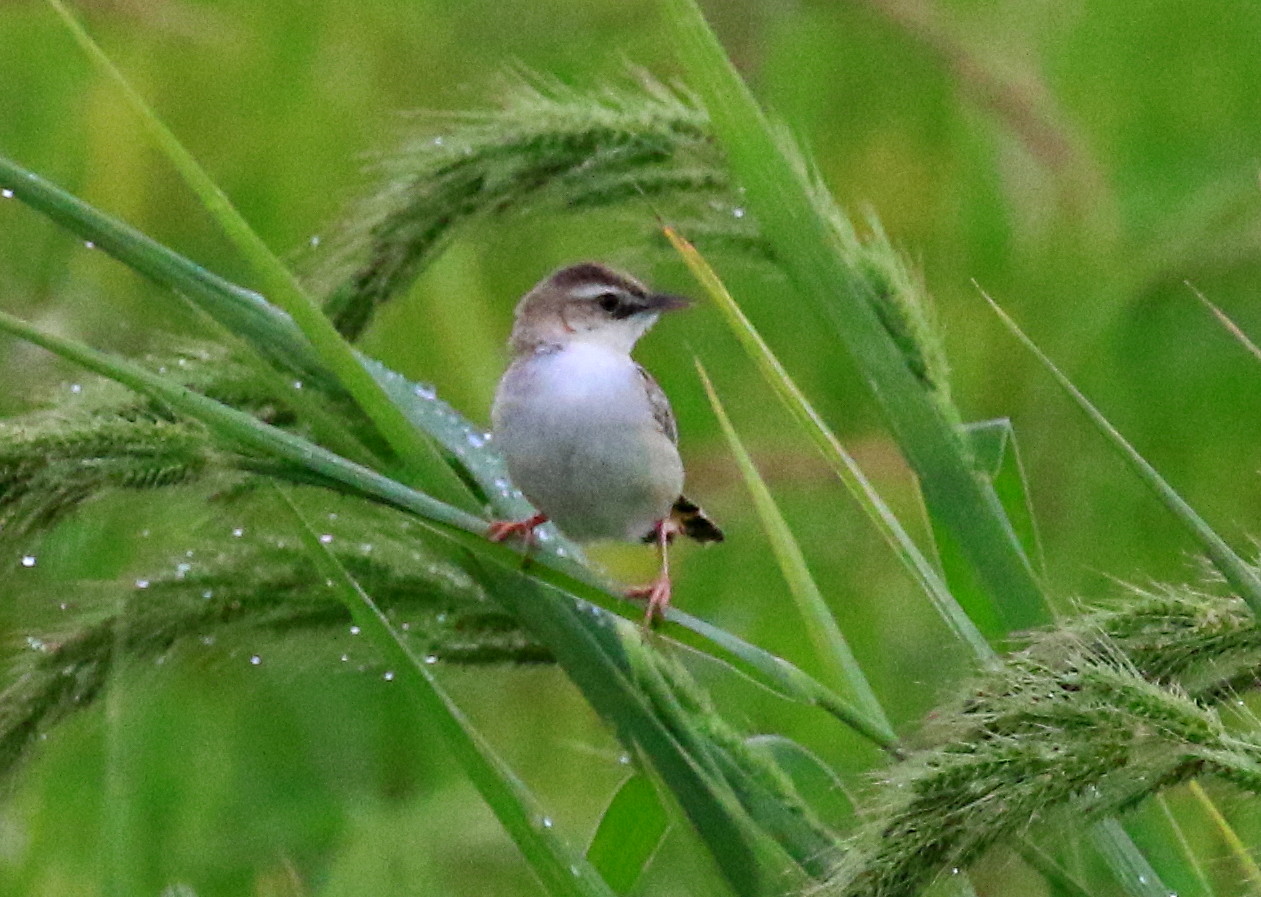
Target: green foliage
1089,718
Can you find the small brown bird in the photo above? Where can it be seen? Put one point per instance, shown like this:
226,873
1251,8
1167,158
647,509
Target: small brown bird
588,435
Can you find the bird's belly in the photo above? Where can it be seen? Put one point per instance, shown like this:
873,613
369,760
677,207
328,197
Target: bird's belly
589,455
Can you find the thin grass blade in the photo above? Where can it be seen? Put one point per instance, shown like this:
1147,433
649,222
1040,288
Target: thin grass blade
830,448
242,311
1233,568
830,647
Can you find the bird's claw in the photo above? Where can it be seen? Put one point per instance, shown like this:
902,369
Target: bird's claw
502,530
657,596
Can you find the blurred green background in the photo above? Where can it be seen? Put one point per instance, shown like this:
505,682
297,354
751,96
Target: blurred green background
1088,164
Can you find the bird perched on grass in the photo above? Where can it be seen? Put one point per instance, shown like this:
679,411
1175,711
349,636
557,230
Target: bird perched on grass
587,434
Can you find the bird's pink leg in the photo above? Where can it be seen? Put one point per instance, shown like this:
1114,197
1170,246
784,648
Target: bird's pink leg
505,529
658,591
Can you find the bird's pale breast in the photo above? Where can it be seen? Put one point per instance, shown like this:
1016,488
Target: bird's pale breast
581,442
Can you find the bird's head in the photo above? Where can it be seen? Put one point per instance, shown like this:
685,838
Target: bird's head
588,302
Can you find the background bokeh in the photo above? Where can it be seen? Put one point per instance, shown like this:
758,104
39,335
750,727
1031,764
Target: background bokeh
1091,165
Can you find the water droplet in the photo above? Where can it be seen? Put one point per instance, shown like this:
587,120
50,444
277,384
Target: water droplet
142,583
624,759
207,640
476,439
575,870
209,593
442,617
297,384
315,240
439,141
354,630
326,538
431,659
238,531
6,193
425,390
28,560
181,569
255,660
546,822
76,388
36,644
737,212
88,244
406,627
366,547
388,675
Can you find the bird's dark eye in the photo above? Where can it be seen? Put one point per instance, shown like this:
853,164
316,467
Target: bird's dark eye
608,302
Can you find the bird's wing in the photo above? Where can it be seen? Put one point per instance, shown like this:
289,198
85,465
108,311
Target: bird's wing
660,405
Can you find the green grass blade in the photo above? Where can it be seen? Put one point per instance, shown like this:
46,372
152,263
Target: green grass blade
416,453
830,647
785,206
1235,570
242,311
561,870
631,829
830,448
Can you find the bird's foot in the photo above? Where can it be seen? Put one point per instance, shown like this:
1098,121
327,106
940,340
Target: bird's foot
501,530
657,596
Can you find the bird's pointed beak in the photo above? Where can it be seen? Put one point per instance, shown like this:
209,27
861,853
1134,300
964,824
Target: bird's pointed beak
666,302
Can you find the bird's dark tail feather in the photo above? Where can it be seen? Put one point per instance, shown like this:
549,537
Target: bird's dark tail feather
690,520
